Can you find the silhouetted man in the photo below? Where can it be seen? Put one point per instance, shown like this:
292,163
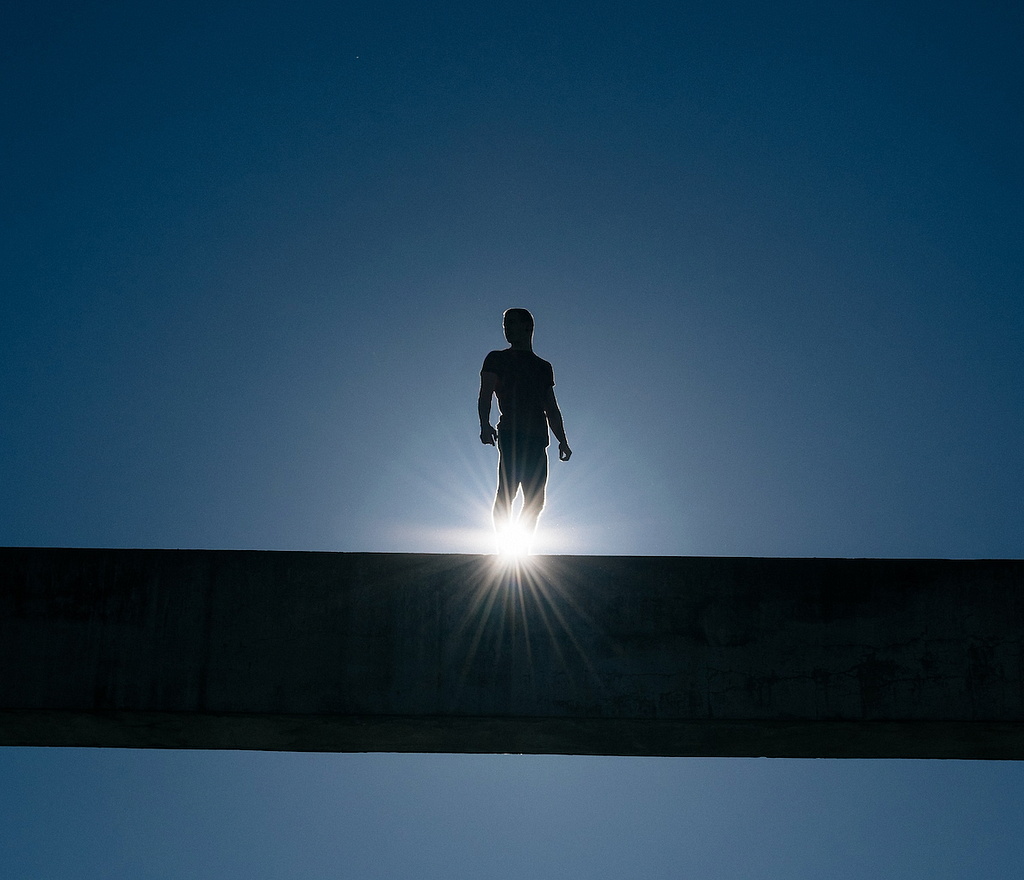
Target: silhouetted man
524,384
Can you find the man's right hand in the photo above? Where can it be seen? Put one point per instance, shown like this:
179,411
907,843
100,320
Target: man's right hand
488,434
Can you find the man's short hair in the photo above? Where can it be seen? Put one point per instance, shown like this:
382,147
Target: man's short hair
517,315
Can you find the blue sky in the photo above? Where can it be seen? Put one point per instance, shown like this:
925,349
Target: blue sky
254,256
156,814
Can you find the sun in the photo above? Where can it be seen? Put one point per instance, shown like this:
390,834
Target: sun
514,542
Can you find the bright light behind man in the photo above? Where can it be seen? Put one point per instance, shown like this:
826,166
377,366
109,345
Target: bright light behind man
513,539
524,386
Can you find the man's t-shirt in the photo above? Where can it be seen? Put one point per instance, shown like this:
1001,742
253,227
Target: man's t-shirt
523,383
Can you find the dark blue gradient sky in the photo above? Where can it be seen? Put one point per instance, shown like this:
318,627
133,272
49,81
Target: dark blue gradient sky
254,254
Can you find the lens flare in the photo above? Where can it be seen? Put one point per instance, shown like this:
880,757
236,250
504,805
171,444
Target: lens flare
521,630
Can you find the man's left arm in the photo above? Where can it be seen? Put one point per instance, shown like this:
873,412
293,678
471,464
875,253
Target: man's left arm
554,415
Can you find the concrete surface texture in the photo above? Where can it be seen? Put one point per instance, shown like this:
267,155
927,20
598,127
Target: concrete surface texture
567,655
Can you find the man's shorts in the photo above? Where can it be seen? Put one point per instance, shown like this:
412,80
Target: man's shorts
523,459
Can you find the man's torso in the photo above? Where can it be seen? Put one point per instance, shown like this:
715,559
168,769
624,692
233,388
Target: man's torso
522,389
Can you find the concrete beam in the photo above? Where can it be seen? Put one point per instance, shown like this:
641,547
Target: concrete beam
569,655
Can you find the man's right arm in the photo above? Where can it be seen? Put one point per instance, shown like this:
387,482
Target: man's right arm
488,382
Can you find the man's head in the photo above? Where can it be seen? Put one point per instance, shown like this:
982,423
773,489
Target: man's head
518,325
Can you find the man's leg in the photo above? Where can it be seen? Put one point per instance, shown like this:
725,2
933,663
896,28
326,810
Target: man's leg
507,485
535,481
